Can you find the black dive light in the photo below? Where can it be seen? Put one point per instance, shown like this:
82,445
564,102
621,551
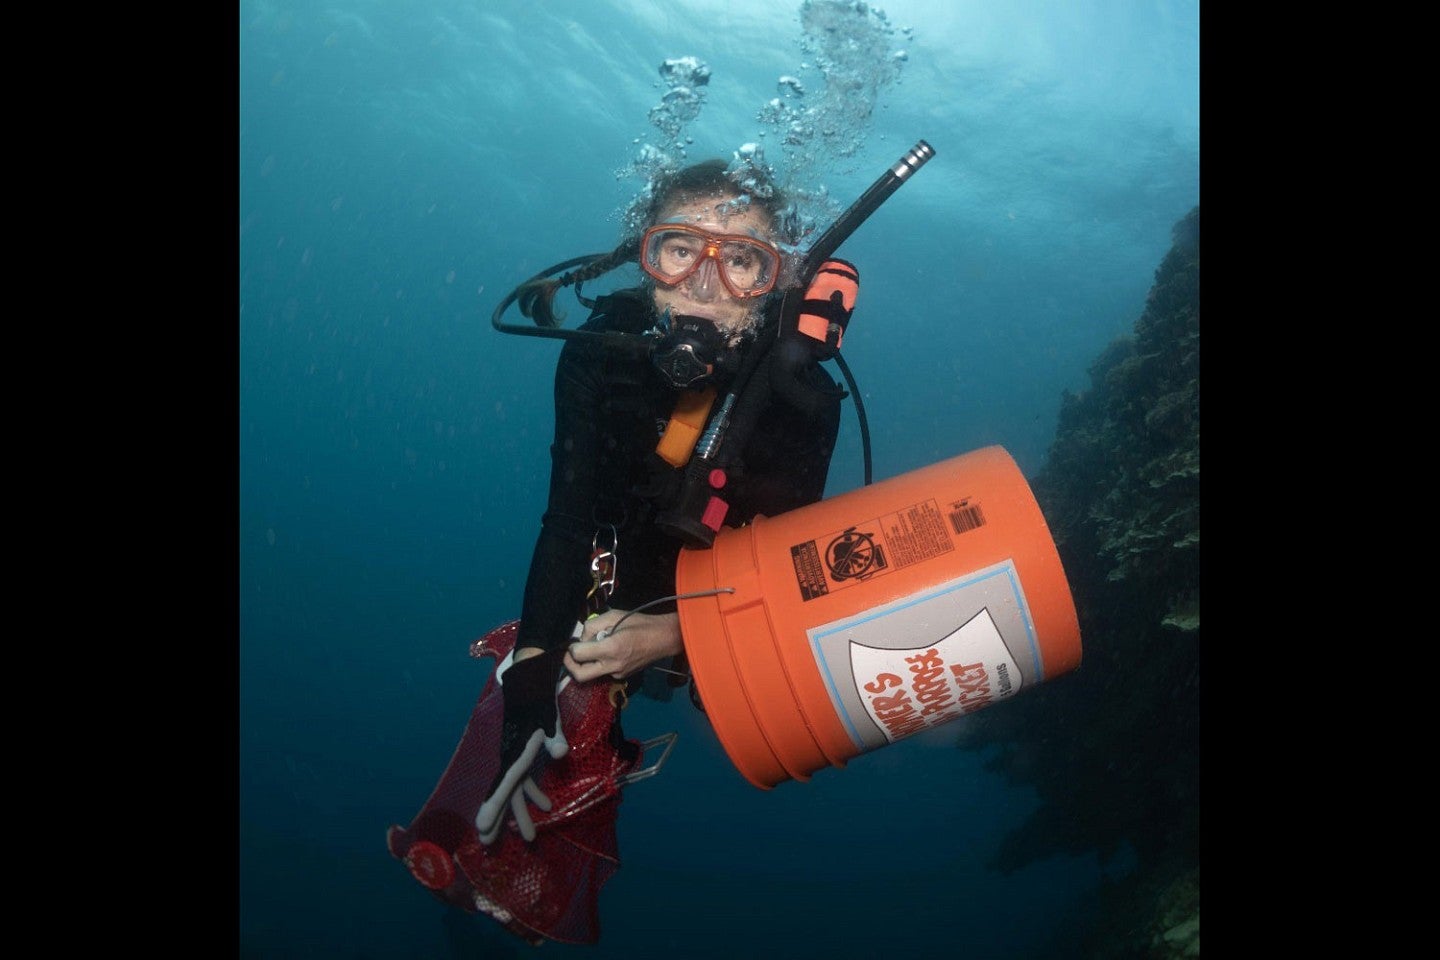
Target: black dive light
699,509
859,211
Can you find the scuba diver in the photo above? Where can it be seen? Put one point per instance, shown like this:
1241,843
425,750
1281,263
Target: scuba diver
692,402
711,257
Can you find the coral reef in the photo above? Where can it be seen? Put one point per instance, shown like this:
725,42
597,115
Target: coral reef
1112,750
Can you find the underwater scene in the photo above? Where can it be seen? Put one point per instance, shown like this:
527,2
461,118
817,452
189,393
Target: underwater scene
951,709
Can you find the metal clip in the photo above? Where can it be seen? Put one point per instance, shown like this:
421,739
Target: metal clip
602,570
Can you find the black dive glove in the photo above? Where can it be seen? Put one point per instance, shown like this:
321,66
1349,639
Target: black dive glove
813,334
828,304
531,721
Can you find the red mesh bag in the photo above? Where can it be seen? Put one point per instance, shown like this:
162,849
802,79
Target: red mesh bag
548,888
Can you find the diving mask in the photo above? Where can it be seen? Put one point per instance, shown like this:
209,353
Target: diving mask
746,266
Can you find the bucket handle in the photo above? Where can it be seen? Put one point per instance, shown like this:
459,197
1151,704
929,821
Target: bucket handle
666,738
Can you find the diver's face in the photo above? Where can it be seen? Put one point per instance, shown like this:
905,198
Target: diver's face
702,294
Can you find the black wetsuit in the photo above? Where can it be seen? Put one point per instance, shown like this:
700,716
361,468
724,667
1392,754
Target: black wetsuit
610,410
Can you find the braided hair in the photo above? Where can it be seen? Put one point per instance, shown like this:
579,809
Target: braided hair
536,298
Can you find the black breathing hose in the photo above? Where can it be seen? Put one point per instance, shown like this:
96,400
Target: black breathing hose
859,211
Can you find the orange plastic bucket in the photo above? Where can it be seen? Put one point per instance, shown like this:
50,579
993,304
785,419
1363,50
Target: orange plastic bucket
876,614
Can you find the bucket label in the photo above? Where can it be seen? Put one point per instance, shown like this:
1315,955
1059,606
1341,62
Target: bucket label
844,558
926,659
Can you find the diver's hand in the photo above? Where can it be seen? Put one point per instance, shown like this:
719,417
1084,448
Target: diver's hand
640,641
531,721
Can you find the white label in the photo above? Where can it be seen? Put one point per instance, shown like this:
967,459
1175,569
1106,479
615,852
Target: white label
928,658
906,691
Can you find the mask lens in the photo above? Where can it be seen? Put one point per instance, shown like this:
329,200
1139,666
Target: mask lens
747,267
672,255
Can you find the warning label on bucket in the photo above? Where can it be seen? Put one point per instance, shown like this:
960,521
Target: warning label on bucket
927,659
807,570
915,534
857,553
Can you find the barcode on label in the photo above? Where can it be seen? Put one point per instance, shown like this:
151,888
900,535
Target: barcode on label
966,517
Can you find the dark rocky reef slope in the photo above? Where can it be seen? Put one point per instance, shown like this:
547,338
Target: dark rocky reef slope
1112,750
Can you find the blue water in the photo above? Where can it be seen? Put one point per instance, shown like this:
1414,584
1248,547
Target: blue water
401,167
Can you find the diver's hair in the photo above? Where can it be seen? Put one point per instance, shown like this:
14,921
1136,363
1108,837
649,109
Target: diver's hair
536,298
706,179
